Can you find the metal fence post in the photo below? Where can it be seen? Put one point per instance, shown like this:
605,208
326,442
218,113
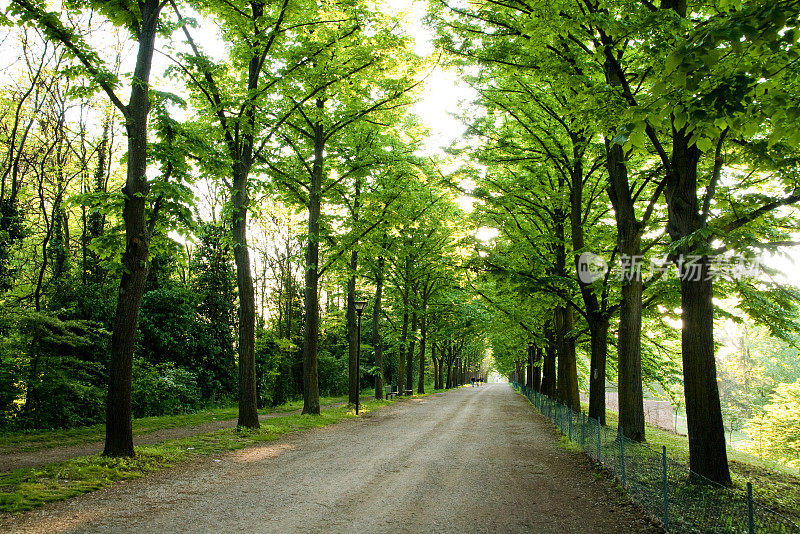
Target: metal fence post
751,527
599,440
571,413
583,429
622,455
665,485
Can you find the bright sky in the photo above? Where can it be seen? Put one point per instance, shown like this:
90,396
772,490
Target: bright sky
443,88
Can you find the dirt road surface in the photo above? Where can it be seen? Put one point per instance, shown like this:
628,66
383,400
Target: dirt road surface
470,460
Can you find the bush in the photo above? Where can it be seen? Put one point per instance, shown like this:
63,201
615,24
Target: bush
50,375
10,390
162,389
70,394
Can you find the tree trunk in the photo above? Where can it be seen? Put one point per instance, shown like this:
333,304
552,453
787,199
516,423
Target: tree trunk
248,392
449,362
352,334
529,374
377,345
311,335
136,258
423,339
707,453
629,238
248,397
401,364
567,388
537,369
597,369
631,397
410,353
437,368
549,364
595,315
352,326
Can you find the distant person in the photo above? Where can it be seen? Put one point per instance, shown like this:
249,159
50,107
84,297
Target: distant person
473,381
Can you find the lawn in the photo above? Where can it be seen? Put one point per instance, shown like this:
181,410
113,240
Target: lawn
35,440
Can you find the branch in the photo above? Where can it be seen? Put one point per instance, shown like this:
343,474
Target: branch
712,186
55,30
741,221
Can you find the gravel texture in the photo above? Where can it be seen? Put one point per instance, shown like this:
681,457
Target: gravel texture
472,460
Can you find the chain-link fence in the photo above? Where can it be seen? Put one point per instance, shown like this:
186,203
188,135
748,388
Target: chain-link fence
684,501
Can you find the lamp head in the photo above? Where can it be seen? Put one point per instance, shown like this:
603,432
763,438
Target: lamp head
360,305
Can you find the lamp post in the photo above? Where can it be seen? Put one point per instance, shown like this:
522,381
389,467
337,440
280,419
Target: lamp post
359,305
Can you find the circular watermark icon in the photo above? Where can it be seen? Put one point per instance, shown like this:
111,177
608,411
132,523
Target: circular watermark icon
591,267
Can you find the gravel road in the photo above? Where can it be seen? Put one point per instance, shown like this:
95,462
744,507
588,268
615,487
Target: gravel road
471,460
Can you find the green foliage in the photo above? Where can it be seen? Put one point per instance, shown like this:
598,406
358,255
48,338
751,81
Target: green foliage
273,373
213,281
166,321
52,370
162,388
775,430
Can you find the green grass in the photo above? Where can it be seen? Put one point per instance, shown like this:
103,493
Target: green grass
36,440
774,486
28,488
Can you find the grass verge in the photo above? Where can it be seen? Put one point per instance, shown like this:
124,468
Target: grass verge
29,488
36,440
774,486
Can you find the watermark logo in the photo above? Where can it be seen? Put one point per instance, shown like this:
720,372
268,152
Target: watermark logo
690,268
591,267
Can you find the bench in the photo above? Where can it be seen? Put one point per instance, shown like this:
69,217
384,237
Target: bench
408,392
391,391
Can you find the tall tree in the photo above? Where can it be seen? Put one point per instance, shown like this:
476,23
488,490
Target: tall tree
141,19
353,79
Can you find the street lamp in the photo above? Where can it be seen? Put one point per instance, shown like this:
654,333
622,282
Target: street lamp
359,305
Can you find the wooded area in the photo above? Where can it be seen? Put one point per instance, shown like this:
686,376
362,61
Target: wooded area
196,193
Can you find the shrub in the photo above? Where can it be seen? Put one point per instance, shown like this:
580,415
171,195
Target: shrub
162,389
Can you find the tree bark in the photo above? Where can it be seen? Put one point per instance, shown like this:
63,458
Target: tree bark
549,364
598,332
529,374
422,340
311,334
596,316
537,369
352,325
629,238
377,345
248,392
401,364
136,258
352,334
567,388
248,397
449,382
707,452
437,366
410,353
